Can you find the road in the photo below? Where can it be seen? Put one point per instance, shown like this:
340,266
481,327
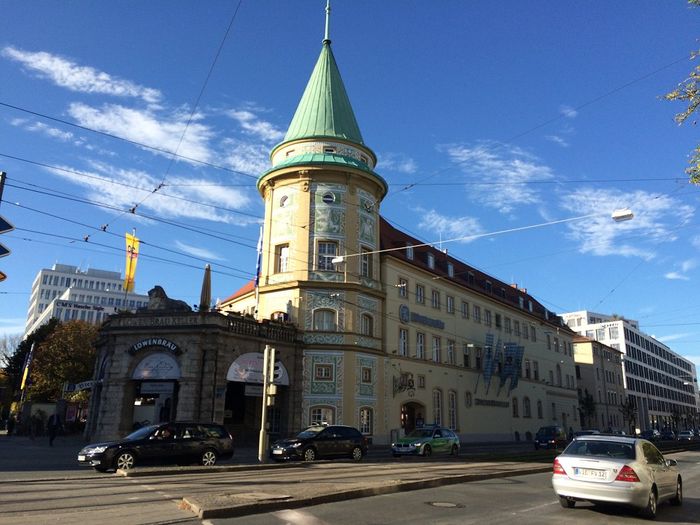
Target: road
525,500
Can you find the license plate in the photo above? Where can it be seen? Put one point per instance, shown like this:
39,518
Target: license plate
590,473
277,451
81,457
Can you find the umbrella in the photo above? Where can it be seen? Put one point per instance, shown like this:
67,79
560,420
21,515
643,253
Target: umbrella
205,297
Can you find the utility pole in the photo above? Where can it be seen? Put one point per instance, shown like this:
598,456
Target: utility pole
269,391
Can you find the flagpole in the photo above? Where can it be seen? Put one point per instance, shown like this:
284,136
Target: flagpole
257,272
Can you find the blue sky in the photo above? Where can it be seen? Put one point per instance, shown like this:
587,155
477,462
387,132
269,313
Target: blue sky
486,117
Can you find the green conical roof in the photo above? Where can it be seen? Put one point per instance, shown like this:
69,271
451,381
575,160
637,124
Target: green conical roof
324,110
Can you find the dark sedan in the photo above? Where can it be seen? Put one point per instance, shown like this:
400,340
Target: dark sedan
178,442
321,441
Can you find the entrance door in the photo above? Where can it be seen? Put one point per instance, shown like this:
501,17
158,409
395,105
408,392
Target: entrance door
412,416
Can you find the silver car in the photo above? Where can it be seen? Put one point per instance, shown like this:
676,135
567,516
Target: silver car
616,469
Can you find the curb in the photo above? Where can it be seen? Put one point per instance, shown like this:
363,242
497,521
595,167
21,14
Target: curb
199,508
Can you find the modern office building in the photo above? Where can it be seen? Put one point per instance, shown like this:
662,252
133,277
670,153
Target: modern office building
661,384
601,392
68,293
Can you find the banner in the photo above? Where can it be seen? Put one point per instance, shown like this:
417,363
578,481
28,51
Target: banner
27,364
488,360
132,254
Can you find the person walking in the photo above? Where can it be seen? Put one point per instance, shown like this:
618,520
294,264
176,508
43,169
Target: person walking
53,426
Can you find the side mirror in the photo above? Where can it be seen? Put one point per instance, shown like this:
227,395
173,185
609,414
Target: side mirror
671,462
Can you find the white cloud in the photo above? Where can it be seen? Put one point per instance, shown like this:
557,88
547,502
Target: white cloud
202,253
695,241
568,111
511,167
253,125
146,127
673,337
675,276
557,140
656,220
449,227
40,127
246,157
69,75
688,265
397,162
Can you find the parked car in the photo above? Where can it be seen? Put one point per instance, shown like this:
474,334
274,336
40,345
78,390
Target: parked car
178,442
616,469
586,432
668,435
651,435
550,437
321,441
686,435
425,441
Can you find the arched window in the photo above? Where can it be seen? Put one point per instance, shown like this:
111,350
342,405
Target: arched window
325,320
452,410
367,325
437,407
321,414
527,411
539,409
515,407
366,420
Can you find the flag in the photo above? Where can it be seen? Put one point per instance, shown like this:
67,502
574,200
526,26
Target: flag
259,260
27,364
132,254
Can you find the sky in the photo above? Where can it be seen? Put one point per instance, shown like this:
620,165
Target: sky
516,128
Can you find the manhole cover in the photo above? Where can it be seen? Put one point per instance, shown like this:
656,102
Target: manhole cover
445,504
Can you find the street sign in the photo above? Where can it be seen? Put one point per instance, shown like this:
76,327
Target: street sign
5,226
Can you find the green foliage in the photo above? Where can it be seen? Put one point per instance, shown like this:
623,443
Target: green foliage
67,355
688,92
14,363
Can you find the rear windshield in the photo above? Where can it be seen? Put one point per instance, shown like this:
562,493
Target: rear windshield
605,449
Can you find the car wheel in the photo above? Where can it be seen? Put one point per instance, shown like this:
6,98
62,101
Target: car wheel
427,450
567,503
208,458
309,454
677,500
356,454
649,511
454,451
125,461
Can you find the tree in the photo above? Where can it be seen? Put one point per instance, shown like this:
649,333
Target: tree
587,408
67,355
629,414
688,92
14,364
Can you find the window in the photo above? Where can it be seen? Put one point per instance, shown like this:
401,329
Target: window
366,266
533,334
551,377
403,341
435,299
324,320
420,345
367,322
477,313
409,252
540,414
487,317
515,407
498,321
527,411
420,294
322,415
549,342
527,368
452,410
613,332
437,357
526,332
467,355
281,258
437,407
516,328
556,344
559,383
465,310
477,359
366,420
403,287
284,200
366,375
450,304
506,325
450,269
488,286
450,352
421,381
430,258
327,251
323,372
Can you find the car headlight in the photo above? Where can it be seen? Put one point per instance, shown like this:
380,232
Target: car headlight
96,450
416,444
297,444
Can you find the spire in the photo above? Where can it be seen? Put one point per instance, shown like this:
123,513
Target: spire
327,37
324,109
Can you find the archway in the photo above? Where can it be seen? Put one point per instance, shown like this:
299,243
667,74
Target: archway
156,387
412,416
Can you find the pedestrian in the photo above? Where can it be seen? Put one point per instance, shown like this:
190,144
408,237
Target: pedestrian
54,426
10,424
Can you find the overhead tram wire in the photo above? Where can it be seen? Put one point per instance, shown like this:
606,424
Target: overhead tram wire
191,117
549,121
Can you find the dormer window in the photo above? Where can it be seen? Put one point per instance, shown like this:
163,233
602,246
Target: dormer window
409,252
450,269
364,159
431,261
487,286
